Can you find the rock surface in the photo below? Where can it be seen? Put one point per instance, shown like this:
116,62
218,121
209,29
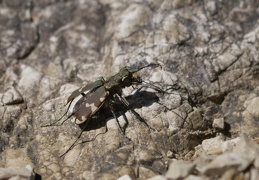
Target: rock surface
208,51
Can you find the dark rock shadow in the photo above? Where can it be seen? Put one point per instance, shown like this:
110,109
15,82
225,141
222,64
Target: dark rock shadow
137,100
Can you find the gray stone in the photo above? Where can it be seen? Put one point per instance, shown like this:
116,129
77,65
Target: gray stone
158,177
229,145
179,169
12,96
193,177
219,123
21,173
248,147
125,177
229,160
211,144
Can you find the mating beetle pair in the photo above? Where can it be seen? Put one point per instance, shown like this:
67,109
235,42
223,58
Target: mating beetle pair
102,91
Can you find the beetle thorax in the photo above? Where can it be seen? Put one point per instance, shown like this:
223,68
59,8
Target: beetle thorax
119,81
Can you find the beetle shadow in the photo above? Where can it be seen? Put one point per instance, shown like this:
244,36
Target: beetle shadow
138,100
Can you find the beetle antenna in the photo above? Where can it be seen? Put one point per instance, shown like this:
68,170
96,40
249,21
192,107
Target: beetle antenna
134,69
149,65
152,86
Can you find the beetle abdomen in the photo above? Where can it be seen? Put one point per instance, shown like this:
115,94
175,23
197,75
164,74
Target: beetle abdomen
89,104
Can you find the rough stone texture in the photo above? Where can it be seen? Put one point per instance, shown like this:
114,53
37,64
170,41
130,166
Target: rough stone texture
17,173
219,124
210,63
234,164
179,169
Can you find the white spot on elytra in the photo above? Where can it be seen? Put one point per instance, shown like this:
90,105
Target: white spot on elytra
93,107
77,121
83,118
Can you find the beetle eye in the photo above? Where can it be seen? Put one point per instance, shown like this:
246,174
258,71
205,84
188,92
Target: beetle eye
139,79
123,78
136,78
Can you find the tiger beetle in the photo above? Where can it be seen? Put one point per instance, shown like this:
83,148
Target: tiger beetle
96,94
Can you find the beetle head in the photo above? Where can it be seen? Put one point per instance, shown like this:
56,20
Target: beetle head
128,76
135,79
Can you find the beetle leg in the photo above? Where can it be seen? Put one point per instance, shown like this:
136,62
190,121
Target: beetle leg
114,115
126,103
78,137
152,86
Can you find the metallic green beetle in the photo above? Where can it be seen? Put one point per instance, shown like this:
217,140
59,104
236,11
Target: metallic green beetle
96,94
